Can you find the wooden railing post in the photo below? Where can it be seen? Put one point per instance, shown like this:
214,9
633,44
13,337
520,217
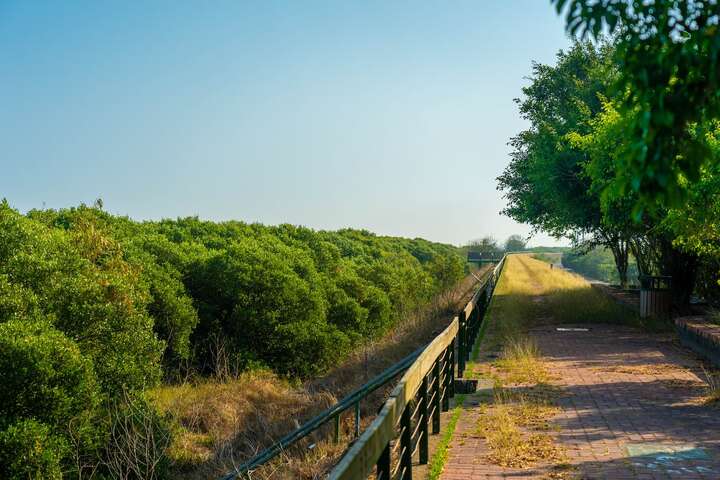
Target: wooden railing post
471,333
447,373
453,363
382,467
477,316
478,319
424,419
463,344
437,391
406,449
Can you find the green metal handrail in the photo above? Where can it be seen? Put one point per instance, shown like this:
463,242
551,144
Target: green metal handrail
352,400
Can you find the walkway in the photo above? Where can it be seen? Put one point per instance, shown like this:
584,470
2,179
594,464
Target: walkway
631,408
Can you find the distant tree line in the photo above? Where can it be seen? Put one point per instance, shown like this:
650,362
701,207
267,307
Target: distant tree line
96,308
598,264
488,246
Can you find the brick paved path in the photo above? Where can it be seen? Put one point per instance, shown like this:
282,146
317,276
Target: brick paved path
631,409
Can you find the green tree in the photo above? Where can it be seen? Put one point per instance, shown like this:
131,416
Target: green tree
667,51
487,246
546,183
515,243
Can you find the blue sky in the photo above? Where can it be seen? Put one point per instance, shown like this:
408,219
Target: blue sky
387,115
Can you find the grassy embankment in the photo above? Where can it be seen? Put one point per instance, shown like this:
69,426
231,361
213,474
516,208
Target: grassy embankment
515,421
222,422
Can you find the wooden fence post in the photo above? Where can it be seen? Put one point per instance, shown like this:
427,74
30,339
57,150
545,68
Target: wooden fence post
437,391
447,369
382,471
453,363
406,443
424,419
463,344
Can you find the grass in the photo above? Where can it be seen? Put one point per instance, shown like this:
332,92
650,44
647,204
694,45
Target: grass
515,428
520,362
437,463
215,422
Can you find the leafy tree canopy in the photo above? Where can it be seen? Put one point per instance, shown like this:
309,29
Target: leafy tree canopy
667,51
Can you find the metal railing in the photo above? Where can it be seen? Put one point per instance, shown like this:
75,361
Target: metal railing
401,429
352,400
422,393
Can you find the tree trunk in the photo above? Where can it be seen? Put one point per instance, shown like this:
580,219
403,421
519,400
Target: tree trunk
682,267
619,250
643,257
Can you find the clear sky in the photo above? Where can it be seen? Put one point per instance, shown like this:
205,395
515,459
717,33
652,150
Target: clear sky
388,115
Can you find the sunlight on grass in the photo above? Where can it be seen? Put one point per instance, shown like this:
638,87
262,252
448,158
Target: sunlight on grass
520,361
530,293
515,426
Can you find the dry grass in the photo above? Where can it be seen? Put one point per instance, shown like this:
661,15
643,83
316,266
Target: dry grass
712,395
651,369
682,384
530,294
219,424
521,362
515,429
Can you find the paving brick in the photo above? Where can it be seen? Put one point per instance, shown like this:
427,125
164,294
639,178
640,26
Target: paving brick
631,409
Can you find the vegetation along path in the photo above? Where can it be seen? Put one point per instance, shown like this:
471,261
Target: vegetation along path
573,386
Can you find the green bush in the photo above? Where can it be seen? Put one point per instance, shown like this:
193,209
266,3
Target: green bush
49,394
80,281
184,291
29,450
45,377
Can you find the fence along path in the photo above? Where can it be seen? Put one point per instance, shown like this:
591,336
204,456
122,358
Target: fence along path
402,428
461,335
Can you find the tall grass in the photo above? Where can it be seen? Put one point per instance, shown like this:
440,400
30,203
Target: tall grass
521,362
713,387
531,294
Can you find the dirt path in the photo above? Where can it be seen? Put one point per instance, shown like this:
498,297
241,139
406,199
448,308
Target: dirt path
631,408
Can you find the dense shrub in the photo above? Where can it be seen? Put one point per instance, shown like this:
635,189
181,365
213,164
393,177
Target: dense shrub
79,280
48,388
187,289
29,450
45,377
94,308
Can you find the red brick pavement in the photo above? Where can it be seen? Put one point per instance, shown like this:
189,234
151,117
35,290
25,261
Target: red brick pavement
631,409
